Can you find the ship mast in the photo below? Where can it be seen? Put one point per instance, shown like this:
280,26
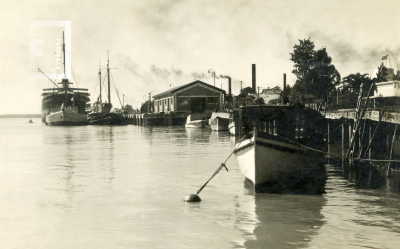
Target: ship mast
65,76
108,75
100,80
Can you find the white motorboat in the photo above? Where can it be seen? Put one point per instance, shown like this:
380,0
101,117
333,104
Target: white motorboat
219,121
66,117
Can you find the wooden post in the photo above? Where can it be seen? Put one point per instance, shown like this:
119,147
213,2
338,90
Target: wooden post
350,129
391,150
370,139
343,138
328,139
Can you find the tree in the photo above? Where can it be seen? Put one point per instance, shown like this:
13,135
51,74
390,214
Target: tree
315,74
128,109
145,107
303,58
285,93
354,82
260,101
247,90
380,75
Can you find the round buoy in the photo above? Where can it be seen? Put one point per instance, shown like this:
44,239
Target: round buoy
192,198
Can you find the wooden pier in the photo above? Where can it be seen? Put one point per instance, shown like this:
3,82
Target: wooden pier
373,136
157,119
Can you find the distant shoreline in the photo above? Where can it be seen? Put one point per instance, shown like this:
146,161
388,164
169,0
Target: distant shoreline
20,115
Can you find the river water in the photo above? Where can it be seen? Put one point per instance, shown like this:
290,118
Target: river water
123,187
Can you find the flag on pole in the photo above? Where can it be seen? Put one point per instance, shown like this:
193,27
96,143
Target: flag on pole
385,57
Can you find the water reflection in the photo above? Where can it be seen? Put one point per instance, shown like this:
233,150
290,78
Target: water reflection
106,136
197,134
279,220
366,175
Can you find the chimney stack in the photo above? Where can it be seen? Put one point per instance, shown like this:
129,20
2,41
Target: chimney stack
229,86
254,77
284,81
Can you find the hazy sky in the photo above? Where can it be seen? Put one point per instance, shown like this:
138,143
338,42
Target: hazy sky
159,44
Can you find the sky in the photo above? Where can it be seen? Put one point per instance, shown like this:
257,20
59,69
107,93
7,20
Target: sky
154,45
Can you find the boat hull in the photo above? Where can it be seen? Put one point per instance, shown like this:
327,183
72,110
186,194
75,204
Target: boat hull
196,124
64,118
199,123
107,119
219,124
266,161
233,128
52,102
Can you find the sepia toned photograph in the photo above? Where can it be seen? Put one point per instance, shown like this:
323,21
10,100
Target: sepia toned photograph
199,124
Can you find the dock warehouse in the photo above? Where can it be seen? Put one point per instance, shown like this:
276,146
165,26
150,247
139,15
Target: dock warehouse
195,97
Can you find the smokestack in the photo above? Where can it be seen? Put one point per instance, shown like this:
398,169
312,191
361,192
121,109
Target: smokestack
229,86
253,67
284,81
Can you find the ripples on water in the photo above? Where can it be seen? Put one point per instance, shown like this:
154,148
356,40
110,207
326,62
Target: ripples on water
123,187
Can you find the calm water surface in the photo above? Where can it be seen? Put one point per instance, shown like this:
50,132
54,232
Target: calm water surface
123,187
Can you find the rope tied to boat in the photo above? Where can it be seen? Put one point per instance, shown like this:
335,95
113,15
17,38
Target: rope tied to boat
215,173
195,197
339,156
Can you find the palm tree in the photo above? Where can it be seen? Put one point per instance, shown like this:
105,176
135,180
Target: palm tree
354,81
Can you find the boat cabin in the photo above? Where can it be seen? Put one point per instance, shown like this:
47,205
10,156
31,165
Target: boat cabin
298,124
101,107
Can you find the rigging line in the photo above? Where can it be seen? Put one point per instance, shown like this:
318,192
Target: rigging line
102,84
116,90
95,86
57,71
336,155
76,83
329,132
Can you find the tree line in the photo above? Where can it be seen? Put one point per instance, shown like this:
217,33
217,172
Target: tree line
318,77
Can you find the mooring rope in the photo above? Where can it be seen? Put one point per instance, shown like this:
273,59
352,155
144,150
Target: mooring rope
223,165
345,157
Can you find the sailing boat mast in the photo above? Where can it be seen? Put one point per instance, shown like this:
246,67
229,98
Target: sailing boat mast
108,75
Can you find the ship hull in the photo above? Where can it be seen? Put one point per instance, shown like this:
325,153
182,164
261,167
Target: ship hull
52,103
106,119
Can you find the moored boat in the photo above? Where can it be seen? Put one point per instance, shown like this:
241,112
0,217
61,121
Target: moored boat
194,123
233,123
101,113
280,144
233,128
66,117
68,113
219,121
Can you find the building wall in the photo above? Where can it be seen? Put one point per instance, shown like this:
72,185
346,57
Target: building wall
184,98
388,89
181,101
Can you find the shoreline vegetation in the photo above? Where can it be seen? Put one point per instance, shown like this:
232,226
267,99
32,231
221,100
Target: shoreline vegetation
19,115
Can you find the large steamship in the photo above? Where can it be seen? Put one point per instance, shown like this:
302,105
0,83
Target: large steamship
53,98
